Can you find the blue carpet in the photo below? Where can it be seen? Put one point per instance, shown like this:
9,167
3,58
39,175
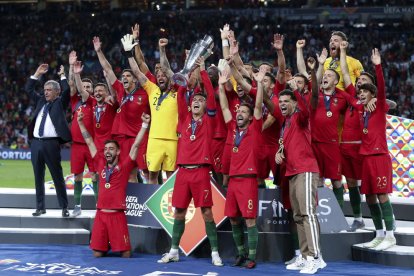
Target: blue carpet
78,260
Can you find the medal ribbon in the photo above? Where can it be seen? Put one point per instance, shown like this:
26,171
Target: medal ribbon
239,137
108,173
193,126
98,113
161,98
366,118
328,101
128,97
78,104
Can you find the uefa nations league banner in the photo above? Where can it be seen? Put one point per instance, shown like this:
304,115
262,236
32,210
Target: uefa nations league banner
137,212
151,206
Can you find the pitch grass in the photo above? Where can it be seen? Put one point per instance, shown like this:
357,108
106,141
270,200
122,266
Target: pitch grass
19,173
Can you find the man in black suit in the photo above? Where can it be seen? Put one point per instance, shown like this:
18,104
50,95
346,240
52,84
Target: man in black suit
47,131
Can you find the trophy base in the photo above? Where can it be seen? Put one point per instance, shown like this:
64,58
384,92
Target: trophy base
180,79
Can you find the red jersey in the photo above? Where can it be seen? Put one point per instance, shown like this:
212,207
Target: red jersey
352,123
375,141
271,134
86,108
244,159
220,130
113,196
299,156
278,87
131,106
325,128
196,136
103,119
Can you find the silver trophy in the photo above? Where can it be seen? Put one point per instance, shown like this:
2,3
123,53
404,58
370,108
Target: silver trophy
202,48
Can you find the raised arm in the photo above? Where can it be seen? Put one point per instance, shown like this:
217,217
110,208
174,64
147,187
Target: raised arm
344,65
72,60
281,62
77,69
300,60
162,43
144,127
112,92
31,82
129,44
103,61
86,136
376,60
223,78
321,61
315,87
238,77
64,87
258,106
224,33
139,56
234,52
211,101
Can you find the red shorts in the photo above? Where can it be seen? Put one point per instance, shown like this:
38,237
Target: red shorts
351,161
329,160
242,197
110,228
192,184
267,161
284,187
126,143
377,174
217,148
79,156
225,160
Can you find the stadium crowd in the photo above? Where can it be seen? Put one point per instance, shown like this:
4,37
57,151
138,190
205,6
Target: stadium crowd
48,38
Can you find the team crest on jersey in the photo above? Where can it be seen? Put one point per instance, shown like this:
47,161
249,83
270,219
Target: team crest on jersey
335,100
139,100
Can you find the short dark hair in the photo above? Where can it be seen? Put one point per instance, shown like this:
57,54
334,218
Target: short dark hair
249,106
369,75
266,63
87,80
288,92
101,84
272,78
340,34
201,94
302,76
128,70
370,87
112,141
338,77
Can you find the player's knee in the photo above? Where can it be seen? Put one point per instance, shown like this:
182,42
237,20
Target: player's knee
207,214
179,213
250,222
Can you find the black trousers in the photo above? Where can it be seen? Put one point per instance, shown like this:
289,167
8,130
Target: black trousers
47,152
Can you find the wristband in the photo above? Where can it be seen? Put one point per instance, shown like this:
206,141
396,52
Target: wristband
144,125
130,53
225,43
136,40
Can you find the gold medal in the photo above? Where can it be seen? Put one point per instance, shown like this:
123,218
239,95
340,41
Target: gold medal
189,108
118,110
107,185
157,107
365,131
329,114
192,137
98,125
235,149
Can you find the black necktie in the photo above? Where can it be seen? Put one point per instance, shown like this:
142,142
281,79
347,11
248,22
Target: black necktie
43,121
